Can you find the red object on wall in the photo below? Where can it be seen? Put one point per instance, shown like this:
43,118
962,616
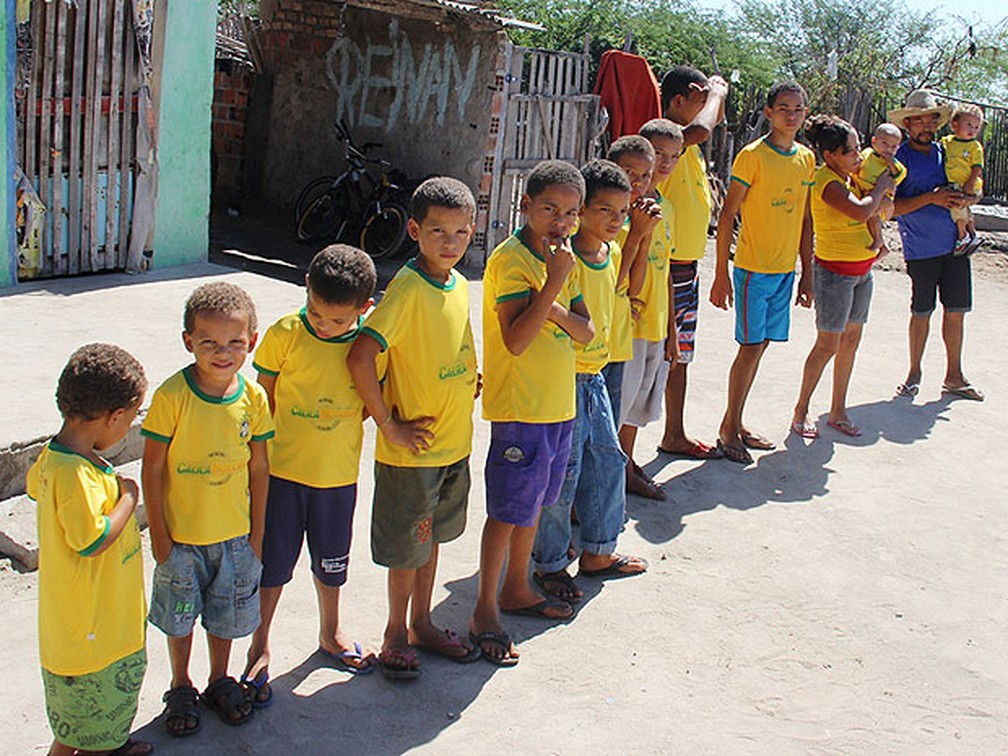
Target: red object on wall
629,91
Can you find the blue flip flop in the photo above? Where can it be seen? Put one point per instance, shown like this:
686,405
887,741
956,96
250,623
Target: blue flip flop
253,686
342,660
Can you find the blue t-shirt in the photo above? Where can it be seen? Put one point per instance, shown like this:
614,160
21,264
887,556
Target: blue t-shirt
928,231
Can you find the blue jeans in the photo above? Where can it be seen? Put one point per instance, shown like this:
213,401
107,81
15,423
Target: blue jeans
613,375
594,484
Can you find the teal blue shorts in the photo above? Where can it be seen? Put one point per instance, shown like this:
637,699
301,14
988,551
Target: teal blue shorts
762,306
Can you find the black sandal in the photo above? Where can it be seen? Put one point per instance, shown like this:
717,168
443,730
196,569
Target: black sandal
226,697
560,577
181,703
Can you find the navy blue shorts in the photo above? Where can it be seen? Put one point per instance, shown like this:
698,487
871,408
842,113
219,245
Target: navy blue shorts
325,514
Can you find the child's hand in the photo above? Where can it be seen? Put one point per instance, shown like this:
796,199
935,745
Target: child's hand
672,348
161,551
885,183
479,385
128,486
645,214
721,292
411,434
636,308
559,258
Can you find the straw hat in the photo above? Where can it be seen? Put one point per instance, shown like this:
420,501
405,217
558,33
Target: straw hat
920,102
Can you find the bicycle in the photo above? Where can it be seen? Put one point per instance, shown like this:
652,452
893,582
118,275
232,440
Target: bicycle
356,206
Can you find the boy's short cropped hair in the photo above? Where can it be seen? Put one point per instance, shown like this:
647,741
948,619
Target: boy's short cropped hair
785,86
219,298
968,108
603,174
677,82
341,274
631,144
552,173
661,127
442,191
99,379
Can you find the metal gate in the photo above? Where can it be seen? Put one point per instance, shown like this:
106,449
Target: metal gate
76,133
547,113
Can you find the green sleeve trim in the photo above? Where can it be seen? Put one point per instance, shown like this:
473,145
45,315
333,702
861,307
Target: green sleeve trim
155,436
578,298
98,541
976,165
746,184
264,371
264,436
808,183
376,336
516,295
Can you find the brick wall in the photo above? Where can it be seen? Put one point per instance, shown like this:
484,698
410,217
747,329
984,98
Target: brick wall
232,86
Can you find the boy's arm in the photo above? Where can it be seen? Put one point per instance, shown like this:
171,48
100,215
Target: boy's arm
576,321
258,471
521,319
806,293
970,186
268,382
672,341
155,458
721,288
129,496
638,270
412,434
702,126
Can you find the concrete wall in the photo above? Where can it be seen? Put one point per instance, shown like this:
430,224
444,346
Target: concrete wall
8,261
185,34
422,87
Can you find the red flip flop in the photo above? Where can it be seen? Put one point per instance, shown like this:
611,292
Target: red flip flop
697,450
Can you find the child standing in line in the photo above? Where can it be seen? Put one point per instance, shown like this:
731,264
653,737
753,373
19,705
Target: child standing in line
423,411
964,164
644,375
770,184
205,481
315,455
533,312
91,592
595,483
876,160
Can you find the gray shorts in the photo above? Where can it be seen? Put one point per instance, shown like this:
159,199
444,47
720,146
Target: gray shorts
840,299
218,582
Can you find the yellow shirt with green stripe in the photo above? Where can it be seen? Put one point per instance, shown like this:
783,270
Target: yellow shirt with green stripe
536,386
652,325
621,331
837,236
206,496
91,609
688,191
423,327
872,167
961,157
597,282
318,412
777,183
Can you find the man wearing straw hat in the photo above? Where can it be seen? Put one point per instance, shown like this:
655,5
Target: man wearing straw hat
929,235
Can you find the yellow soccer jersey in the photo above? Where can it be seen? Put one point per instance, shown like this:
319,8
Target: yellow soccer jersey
91,609
961,157
774,205
536,386
318,412
687,190
652,325
423,326
874,165
621,330
597,282
206,498
837,236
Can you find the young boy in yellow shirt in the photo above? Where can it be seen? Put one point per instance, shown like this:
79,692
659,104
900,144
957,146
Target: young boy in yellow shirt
770,184
315,454
533,312
91,591
594,485
964,165
205,480
876,160
423,410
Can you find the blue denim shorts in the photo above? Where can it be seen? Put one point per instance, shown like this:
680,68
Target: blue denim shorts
840,299
218,582
525,469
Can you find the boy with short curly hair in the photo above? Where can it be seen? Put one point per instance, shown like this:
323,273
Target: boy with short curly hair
964,165
205,481
92,629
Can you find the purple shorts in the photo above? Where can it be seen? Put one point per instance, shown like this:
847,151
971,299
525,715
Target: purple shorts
525,469
325,514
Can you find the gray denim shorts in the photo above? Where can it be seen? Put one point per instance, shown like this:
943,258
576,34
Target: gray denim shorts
840,299
218,582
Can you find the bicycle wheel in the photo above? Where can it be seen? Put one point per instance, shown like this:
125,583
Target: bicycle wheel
384,232
325,216
311,192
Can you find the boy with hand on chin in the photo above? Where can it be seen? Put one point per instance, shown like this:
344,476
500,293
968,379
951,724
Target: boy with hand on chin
205,482
423,410
533,311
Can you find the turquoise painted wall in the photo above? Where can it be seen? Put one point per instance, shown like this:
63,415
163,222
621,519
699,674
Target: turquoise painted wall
8,263
181,233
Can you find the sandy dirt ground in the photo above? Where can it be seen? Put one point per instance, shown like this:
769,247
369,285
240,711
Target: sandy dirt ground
838,596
